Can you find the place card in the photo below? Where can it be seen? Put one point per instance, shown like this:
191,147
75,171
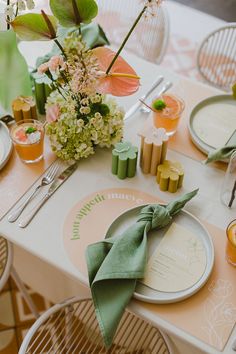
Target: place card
178,262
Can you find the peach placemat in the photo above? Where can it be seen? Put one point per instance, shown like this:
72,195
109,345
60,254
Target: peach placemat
17,177
213,307
181,141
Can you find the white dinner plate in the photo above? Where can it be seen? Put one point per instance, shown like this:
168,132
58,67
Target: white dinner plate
145,293
5,144
212,123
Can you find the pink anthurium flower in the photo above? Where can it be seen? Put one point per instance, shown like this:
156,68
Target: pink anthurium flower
122,80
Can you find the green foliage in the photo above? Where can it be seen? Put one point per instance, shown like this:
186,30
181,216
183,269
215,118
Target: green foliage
74,12
14,75
34,27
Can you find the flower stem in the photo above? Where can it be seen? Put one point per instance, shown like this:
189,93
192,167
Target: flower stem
8,18
60,47
126,39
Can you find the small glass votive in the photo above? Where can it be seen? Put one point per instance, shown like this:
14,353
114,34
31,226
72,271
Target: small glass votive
231,243
28,138
228,191
167,116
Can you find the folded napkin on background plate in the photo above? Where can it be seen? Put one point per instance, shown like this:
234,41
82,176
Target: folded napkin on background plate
221,154
115,264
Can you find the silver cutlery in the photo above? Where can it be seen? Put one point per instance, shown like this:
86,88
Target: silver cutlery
164,88
138,104
47,179
55,185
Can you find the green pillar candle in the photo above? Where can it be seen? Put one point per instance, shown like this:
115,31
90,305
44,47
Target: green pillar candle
124,160
40,96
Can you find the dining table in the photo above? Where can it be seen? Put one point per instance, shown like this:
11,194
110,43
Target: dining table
202,323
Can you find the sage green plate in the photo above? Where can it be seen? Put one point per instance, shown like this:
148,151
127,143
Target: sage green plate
212,123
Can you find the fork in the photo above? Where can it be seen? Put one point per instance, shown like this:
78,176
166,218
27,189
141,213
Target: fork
47,179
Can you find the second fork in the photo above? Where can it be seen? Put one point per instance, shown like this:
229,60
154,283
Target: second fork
47,179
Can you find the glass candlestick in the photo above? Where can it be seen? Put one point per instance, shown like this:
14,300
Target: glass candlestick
228,192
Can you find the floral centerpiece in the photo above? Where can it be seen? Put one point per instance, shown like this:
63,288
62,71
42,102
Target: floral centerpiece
80,115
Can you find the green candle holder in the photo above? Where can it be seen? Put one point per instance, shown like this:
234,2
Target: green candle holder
124,160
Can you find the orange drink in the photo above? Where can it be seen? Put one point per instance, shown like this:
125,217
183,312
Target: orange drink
231,244
28,136
167,111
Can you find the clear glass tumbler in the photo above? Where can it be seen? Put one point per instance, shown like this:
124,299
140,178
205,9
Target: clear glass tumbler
28,138
169,116
231,243
228,191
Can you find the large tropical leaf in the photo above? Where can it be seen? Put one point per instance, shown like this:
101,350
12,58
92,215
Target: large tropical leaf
35,27
14,75
74,12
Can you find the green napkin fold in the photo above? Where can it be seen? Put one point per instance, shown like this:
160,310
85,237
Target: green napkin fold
115,264
221,154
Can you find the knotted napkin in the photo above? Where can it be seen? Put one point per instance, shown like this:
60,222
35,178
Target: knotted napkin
221,154
115,264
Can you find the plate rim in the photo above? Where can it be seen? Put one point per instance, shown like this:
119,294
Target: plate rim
202,146
7,154
204,278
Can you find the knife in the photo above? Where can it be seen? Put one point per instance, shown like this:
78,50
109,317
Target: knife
55,185
138,104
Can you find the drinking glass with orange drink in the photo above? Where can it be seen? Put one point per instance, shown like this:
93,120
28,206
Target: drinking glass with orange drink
28,138
167,110
231,243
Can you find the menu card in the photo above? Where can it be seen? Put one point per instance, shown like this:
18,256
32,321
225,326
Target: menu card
178,262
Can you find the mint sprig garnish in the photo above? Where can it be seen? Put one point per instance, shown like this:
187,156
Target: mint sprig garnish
30,130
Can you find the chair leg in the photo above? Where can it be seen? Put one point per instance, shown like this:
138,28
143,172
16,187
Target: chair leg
24,292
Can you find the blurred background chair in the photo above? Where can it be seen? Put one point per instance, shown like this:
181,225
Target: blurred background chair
150,37
216,58
71,327
7,270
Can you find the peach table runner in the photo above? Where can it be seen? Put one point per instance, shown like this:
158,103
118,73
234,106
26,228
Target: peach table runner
213,307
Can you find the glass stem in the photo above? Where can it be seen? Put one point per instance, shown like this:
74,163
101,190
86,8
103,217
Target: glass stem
126,39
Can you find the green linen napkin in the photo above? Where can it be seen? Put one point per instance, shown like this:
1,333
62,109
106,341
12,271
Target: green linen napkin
221,154
115,264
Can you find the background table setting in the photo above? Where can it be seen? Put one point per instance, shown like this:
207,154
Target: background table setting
103,195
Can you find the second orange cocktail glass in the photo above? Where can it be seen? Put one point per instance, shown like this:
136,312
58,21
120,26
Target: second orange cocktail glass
28,139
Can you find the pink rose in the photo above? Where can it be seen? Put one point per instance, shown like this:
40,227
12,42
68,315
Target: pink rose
56,62
52,113
43,68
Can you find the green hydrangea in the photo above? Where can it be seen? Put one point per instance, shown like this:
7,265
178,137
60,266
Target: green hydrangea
75,135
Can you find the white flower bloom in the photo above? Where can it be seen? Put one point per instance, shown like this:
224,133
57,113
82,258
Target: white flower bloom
9,12
30,4
21,5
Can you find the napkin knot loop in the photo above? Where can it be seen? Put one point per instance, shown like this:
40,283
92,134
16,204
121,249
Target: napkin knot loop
156,215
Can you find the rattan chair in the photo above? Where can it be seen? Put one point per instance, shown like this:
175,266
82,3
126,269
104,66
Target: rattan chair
216,57
71,327
7,270
150,37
